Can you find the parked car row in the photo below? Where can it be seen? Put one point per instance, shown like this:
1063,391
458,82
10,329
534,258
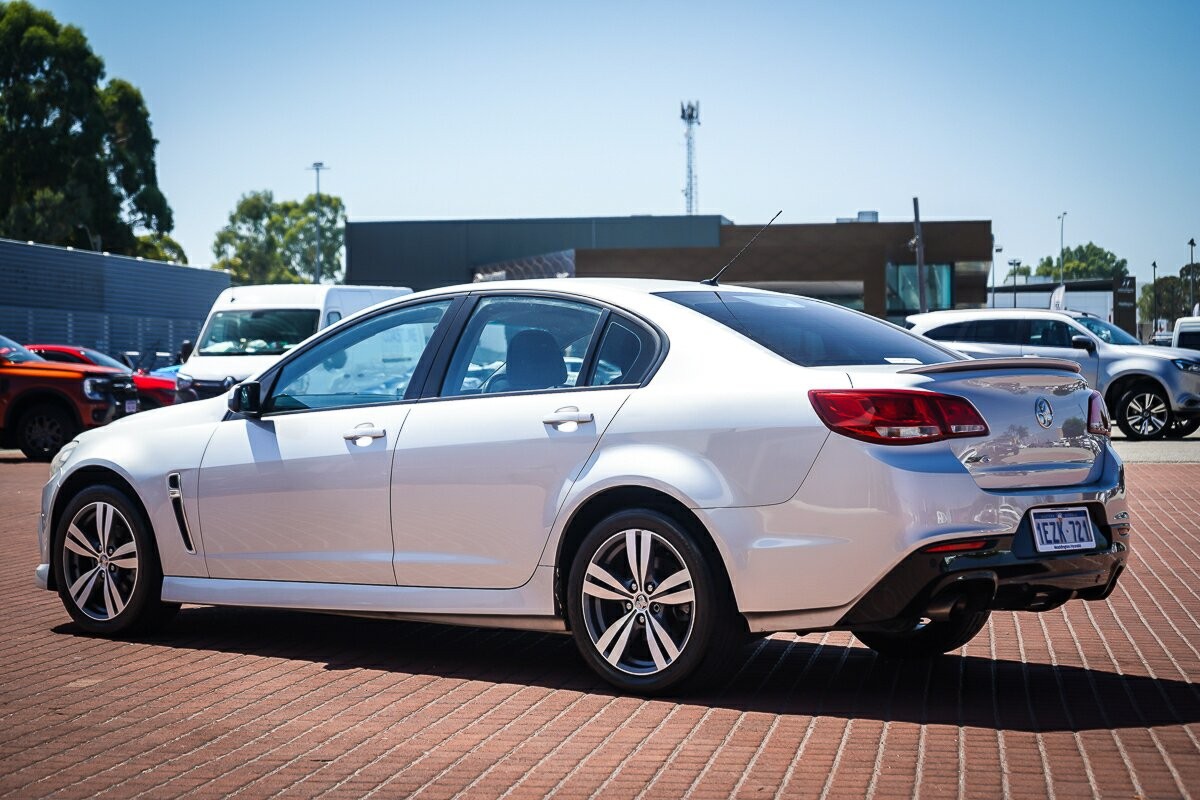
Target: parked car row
1153,392
44,404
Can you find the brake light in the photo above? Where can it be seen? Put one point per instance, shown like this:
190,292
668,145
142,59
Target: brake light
958,547
896,416
1098,422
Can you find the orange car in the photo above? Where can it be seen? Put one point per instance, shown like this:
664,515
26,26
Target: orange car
44,405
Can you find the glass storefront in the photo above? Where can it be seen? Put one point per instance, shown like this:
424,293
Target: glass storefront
903,291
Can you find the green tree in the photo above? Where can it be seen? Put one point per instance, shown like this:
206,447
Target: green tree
160,247
275,242
1085,261
299,244
1173,294
76,155
1019,271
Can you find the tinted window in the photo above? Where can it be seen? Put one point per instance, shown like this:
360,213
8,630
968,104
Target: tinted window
58,355
369,362
105,360
1049,333
625,355
958,332
995,331
1189,339
811,333
520,344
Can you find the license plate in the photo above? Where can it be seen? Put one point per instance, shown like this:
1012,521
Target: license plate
130,406
1057,530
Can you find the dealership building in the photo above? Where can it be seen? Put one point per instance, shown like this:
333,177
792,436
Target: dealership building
859,262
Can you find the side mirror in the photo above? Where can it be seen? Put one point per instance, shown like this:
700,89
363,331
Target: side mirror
185,350
246,399
1083,343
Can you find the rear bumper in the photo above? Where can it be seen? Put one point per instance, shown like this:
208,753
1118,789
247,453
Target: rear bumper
1001,577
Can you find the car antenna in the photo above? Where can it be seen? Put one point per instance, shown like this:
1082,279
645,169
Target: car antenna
713,280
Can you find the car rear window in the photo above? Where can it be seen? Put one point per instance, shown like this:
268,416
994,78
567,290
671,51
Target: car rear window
811,333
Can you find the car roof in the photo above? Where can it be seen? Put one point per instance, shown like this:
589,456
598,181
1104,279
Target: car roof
617,291
961,314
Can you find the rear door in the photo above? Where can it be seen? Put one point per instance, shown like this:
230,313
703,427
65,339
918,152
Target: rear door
487,458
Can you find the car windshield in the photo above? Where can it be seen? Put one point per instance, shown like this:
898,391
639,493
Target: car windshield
1106,331
102,360
256,332
811,333
15,353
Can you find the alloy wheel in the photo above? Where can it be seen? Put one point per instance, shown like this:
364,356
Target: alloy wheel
44,432
638,602
100,561
1146,413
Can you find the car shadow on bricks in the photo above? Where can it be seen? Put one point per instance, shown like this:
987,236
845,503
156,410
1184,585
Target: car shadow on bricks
778,676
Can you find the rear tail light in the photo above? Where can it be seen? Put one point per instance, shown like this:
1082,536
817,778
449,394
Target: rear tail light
1098,422
896,416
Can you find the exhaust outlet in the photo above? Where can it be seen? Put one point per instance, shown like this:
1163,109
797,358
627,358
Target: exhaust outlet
962,595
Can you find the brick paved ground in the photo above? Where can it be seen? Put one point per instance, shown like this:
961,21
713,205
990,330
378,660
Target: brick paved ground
1092,699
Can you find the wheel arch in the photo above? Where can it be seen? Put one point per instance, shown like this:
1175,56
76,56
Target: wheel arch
76,482
608,501
33,397
1123,383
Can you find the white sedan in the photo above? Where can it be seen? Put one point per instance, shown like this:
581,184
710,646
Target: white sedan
661,469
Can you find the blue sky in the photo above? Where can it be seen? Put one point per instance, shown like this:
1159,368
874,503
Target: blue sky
1012,112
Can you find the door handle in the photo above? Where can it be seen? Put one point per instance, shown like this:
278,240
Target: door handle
568,414
363,432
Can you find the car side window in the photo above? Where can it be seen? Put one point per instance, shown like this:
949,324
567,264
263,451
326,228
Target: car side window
996,331
625,355
369,362
58,355
1049,333
955,332
521,344
332,317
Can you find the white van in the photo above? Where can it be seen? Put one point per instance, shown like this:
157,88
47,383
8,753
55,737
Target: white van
1187,333
250,327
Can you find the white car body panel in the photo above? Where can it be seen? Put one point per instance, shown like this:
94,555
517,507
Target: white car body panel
328,495
487,464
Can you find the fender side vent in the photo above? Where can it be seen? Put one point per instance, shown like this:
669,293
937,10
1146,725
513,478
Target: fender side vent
176,494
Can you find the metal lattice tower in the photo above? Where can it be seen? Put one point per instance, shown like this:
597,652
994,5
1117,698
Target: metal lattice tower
690,114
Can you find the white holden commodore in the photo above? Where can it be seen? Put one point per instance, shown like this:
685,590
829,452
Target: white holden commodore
659,468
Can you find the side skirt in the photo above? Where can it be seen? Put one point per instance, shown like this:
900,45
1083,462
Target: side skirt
528,607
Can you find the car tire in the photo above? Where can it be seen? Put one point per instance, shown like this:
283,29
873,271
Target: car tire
928,639
106,565
648,609
1182,428
43,430
1143,412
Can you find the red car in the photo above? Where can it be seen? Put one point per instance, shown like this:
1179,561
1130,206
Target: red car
152,391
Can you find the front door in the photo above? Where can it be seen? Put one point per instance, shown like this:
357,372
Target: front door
302,493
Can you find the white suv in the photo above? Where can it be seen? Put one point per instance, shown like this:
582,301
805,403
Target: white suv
1152,391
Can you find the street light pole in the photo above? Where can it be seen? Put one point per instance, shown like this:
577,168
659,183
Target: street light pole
1014,263
1154,293
1192,270
1062,261
998,250
317,167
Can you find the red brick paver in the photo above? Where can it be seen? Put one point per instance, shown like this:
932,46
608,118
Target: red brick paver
1093,699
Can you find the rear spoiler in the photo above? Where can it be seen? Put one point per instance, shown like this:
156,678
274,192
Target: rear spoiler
980,364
